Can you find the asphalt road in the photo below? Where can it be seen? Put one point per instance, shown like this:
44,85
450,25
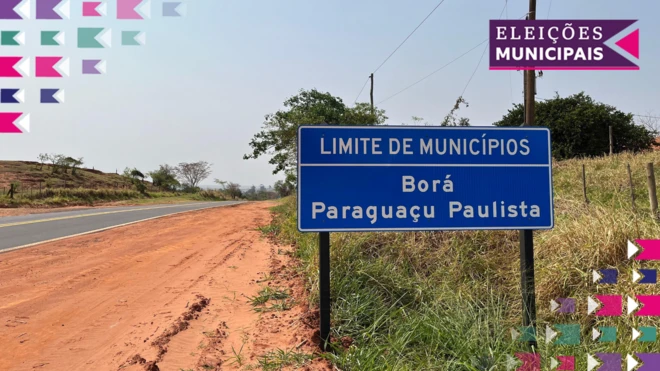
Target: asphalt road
26,230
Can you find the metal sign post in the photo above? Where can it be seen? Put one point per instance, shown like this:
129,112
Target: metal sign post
527,281
324,289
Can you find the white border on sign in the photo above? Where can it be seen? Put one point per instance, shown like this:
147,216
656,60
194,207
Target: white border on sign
522,128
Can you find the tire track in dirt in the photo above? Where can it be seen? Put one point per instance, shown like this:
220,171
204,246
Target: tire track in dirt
166,294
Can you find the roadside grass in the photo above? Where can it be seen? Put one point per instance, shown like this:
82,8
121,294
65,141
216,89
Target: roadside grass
278,359
81,196
278,298
447,300
31,173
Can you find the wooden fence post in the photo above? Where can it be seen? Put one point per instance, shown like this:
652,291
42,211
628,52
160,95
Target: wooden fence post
653,198
632,189
584,184
611,140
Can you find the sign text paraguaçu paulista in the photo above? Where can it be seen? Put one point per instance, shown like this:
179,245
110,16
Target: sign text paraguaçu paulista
423,178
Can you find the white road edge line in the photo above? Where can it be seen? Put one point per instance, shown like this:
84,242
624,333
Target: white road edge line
108,228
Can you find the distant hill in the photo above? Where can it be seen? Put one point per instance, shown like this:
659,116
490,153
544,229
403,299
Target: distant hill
30,174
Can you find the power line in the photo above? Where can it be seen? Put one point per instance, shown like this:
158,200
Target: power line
647,116
406,39
433,73
482,54
361,90
438,70
549,7
475,70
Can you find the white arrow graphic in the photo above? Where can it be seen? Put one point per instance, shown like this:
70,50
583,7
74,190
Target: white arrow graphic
632,305
632,249
20,38
636,275
597,276
592,305
24,122
514,334
64,9
20,96
105,37
549,334
145,9
64,67
24,67
182,9
595,334
103,9
553,305
141,38
59,96
591,362
60,38
24,9
635,334
631,362
553,363
511,362
102,67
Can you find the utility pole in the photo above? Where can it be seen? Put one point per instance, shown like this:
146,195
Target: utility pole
372,95
527,236
530,83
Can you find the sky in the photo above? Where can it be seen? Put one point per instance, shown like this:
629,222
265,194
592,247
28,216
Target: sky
200,87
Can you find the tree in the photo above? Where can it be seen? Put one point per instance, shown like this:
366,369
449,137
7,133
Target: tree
451,119
231,189
58,161
650,122
136,177
580,126
135,173
283,188
73,163
165,177
234,190
277,137
191,174
262,193
43,158
251,194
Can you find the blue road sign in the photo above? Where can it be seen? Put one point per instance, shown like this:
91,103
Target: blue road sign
402,178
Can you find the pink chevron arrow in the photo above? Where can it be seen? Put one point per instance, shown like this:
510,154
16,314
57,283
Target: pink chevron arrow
51,67
650,250
8,123
13,67
566,363
650,305
630,43
531,361
612,305
127,9
94,9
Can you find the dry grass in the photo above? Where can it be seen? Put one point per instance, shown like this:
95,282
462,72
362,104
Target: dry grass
466,285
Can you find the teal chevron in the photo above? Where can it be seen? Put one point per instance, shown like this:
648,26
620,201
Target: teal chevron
133,38
96,38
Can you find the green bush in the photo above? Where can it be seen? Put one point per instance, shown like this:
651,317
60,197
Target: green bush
580,126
